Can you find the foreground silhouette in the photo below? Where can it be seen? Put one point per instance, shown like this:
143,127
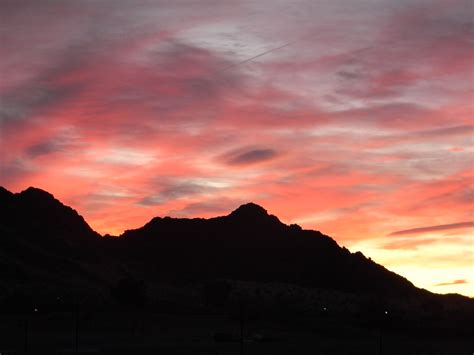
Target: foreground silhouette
247,264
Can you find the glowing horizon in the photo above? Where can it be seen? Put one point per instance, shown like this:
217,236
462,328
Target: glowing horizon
352,118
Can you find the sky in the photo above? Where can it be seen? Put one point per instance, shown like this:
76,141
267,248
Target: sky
354,118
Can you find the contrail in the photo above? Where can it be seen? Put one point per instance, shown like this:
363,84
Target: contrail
256,56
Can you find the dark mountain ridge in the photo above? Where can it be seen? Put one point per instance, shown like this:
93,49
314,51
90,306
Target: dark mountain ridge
36,211
44,242
250,244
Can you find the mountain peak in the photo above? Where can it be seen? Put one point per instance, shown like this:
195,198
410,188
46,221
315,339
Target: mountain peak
252,214
37,193
35,211
250,210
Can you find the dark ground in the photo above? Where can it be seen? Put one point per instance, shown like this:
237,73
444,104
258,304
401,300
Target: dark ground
136,333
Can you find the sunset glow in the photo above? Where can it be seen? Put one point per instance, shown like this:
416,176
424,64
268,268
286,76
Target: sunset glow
354,118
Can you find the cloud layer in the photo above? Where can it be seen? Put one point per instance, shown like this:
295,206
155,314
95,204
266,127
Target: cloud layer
354,118
442,227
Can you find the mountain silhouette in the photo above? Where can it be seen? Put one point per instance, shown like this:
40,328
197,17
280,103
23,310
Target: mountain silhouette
45,244
36,211
250,211
250,244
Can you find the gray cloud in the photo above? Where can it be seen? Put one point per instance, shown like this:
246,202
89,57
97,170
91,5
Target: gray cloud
191,71
175,190
417,38
39,96
397,114
441,227
65,140
446,131
43,148
429,134
82,36
219,206
251,156
14,169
